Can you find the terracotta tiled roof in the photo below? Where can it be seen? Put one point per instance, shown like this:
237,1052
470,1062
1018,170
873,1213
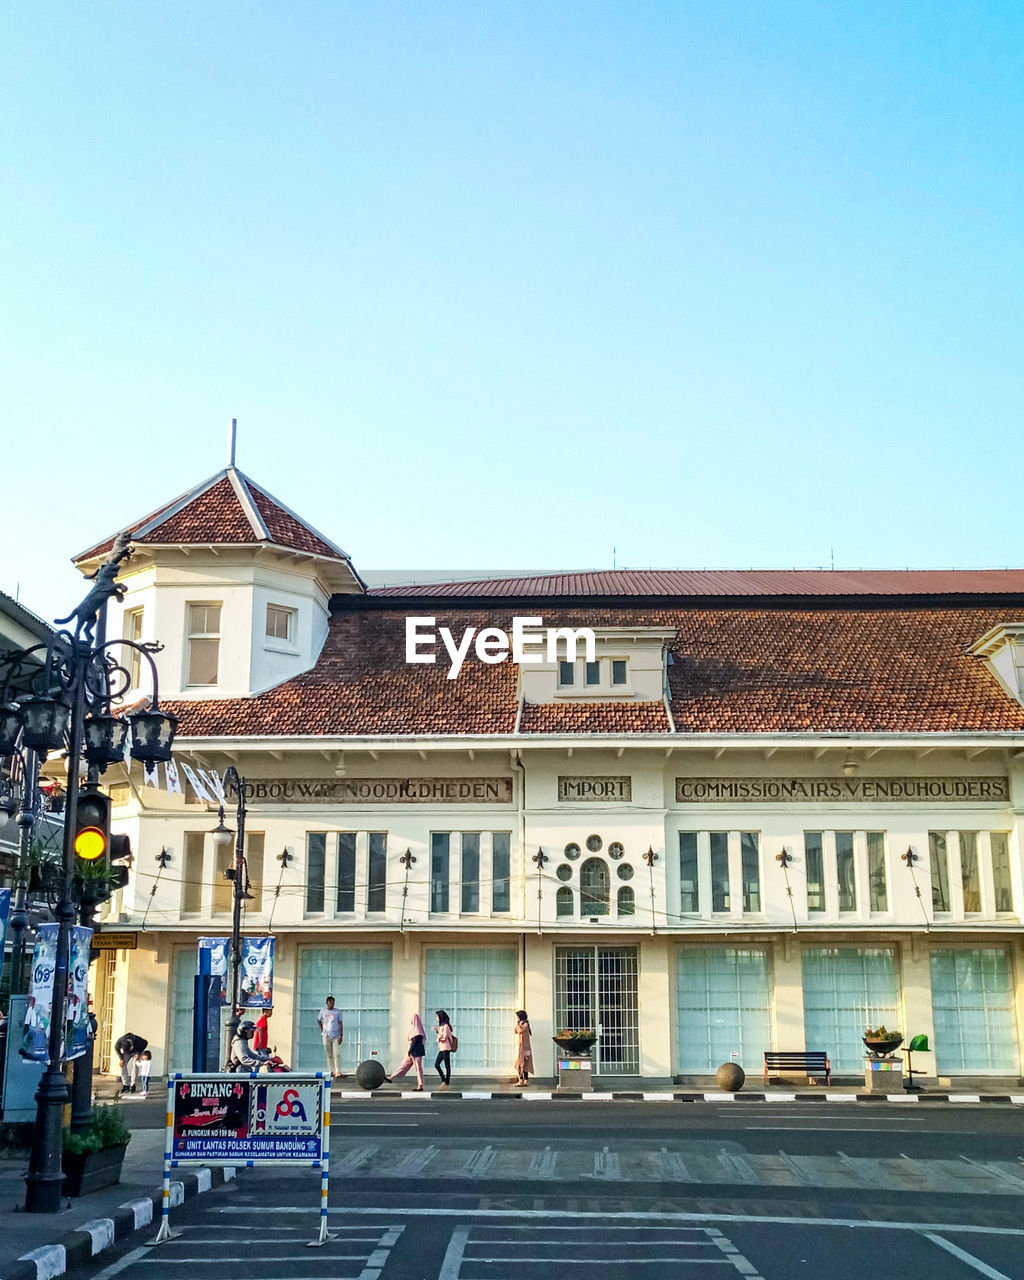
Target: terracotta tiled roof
594,717
780,670
790,583
229,508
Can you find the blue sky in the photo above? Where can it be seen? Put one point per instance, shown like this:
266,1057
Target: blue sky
509,284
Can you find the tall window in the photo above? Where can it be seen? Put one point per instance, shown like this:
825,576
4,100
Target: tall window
192,873
845,990
626,901
223,888
970,873
316,858
973,1007
471,871
876,871
254,846
719,871
133,631
723,1002
203,643
1000,842
689,893
563,901
939,870
595,888
440,860
815,872
845,871
501,871
346,900
750,870
377,868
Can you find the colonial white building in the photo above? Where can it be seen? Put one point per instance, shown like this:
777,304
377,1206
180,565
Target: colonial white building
776,808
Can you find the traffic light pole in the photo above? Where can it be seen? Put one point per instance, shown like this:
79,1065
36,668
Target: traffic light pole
45,1178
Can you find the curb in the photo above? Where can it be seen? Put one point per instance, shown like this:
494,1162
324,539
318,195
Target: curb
90,1240
550,1095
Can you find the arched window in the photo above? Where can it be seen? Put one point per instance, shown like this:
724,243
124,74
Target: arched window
563,901
627,903
594,888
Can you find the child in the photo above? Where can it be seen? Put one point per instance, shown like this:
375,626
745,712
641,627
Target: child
145,1068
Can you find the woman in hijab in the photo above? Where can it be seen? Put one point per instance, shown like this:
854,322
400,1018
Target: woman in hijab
524,1051
445,1048
414,1058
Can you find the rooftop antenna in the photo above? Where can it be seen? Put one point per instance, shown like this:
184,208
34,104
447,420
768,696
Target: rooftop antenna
232,435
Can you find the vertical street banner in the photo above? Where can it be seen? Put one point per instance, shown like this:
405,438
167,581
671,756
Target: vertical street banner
77,1029
257,976
217,950
5,914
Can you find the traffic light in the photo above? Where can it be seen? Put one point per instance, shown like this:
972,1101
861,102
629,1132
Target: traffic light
120,861
92,827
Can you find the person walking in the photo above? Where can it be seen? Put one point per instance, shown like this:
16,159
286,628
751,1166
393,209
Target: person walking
446,1046
524,1051
128,1049
332,1032
261,1040
417,1051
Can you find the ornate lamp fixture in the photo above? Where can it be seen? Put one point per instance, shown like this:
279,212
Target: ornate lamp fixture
152,735
10,729
222,835
45,723
104,739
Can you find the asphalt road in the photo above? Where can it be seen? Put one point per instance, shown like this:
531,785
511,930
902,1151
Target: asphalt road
457,1190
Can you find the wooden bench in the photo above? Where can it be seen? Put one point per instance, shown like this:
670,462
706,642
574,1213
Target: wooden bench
812,1063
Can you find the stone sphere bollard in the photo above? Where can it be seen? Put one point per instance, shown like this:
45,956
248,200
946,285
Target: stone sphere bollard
730,1077
370,1074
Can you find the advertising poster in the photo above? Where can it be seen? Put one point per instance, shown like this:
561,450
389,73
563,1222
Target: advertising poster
35,1040
257,975
217,951
224,1119
77,1030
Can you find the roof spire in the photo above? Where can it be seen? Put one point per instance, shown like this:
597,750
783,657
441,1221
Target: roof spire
231,438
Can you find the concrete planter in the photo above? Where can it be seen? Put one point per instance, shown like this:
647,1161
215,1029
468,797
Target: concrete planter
86,1171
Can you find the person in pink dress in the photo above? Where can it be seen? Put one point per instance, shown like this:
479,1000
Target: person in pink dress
524,1051
414,1058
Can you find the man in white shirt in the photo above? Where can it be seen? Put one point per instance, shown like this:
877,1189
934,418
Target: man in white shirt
332,1032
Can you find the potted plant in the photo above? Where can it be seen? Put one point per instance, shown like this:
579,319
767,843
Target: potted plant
881,1041
93,1159
576,1041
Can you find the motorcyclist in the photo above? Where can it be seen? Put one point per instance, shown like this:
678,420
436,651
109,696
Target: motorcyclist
243,1056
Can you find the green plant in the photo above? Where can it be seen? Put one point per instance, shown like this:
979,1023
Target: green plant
576,1033
106,1129
880,1033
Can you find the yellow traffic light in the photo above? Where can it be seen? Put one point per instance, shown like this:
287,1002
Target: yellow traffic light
90,843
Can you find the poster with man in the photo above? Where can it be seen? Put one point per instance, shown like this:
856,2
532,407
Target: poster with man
35,1042
257,976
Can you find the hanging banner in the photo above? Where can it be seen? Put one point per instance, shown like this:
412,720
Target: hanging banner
257,974
5,913
212,779
197,784
36,1038
217,965
77,1030
173,781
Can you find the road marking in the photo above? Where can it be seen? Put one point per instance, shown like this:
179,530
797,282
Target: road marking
416,1161
673,1166
351,1161
578,1215
606,1166
542,1163
122,1263
964,1256
847,1128
376,1124
452,1263
478,1163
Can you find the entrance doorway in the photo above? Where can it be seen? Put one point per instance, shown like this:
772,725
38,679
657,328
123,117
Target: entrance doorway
596,987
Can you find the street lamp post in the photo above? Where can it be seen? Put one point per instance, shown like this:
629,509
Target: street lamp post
238,875
64,703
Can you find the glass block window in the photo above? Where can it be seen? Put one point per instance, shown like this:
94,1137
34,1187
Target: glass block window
316,859
815,872
723,997
972,1004
595,888
470,871
563,901
440,860
477,987
877,888
689,892
501,871
847,990
625,901
719,871
1000,842
377,871
359,978
346,871
939,870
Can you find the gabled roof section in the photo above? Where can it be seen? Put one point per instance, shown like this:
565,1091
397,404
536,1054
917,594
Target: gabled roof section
228,508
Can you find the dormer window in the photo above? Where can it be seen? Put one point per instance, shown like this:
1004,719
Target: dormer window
202,645
604,675
1002,650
